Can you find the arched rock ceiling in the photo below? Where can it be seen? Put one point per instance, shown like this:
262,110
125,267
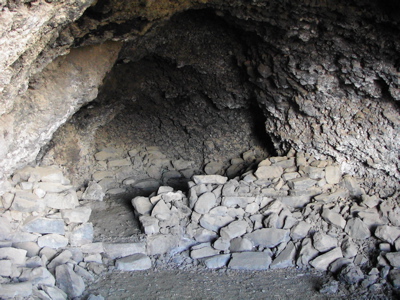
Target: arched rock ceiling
324,73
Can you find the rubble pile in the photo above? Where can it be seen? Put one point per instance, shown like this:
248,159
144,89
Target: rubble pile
291,211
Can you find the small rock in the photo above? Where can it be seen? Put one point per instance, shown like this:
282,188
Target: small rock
240,245
204,235
161,210
93,297
93,192
213,168
38,275
81,234
16,290
285,259
5,267
209,179
233,230
300,231
333,218
142,205
133,262
217,261
267,172
394,276
330,288
160,244
387,233
65,200
394,259
205,251
205,202
52,241
54,292
268,237
32,248
301,183
323,261
323,242
150,225
215,222
357,229
351,274
234,201
338,264
349,248
352,185
44,225
92,248
68,281
16,256
123,249
333,174
250,261
60,259
78,215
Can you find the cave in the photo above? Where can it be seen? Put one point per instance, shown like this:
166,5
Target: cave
214,143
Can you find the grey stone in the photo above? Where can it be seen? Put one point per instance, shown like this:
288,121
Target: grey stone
221,244
53,187
394,276
397,244
322,262
338,264
83,272
233,201
16,256
290,175
93,248
99,175
93,297
46,174
352,185
286,163
205,202
119,163
78,215
5,228
233,230
285,259
81,234
330,288
161,210
5,267
268,237
267,172
210,179
387,233
332,197
133,262
295,201
44,225
54,292
300,230
68,281
16,290
52,241
142,205
323,242
357,229
65,200
370,201
394,259
250,261
349,248
351,274
60,259
215,222
38,275
161,244
217,261
204,235
32,248
205,251
93,192
150,224
240,245
333,174
333,218
118,250
25,201
301,183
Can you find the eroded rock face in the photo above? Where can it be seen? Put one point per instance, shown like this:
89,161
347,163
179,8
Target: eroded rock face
324,75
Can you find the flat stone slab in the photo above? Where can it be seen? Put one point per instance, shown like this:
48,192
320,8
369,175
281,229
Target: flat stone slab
14,290
44,225
268,237
233,230
133,262
205,202
16,256
250,261
123,249
387,233
210,179
394,259
323,261
217,261
68,281
53,240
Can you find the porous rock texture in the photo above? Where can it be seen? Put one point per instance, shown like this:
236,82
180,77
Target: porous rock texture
324,74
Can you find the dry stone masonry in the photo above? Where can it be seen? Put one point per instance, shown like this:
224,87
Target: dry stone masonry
291,211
